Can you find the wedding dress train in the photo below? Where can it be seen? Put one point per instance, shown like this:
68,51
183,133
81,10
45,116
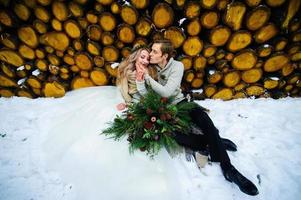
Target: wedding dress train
101,168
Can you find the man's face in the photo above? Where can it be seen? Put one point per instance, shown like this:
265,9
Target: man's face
156,56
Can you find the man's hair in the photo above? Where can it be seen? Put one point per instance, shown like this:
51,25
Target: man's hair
166,47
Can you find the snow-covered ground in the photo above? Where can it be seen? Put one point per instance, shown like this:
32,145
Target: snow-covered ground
51,149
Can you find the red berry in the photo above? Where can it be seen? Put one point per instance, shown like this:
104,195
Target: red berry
163,100
163,117
168,116
148,125
130,117
149,111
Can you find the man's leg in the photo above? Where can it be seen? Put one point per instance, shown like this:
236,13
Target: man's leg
218,152
216,147
192,141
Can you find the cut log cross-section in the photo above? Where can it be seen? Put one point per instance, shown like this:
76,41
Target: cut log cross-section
110,53
194,27
80,82
234,15
94,32
40,26
143,27
57,40
175,35
60,10
99,77
209,19
193,45
9,41
8,70
126,33
265,33
22,11
72,29
83,61
219,35
11,57
192,9
7,82
53,89
93,48
140,4
225,94
244,60
162,15
107,21
251,75
239,40
231,79
129,15
257,17
28,35
42,14
276,62
208,4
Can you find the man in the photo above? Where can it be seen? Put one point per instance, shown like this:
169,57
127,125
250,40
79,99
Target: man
170,73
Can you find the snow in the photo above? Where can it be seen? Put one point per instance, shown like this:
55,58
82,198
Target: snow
51,149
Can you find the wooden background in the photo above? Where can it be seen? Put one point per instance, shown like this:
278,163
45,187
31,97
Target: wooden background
230,49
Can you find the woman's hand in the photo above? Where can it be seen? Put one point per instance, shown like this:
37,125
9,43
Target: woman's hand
121,106
140,70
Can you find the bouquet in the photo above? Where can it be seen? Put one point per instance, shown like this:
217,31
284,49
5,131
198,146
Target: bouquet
150,123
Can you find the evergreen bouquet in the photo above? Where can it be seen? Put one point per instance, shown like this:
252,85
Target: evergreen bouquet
150,123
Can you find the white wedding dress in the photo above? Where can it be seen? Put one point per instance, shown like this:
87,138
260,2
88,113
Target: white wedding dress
101,168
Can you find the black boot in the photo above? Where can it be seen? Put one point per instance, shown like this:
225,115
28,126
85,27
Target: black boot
229,145
245,185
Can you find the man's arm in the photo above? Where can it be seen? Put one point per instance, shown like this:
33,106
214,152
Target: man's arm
174,80
140,83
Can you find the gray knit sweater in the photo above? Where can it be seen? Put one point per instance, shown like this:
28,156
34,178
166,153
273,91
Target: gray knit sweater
169,81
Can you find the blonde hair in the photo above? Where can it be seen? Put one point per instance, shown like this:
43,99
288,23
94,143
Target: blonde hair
128,65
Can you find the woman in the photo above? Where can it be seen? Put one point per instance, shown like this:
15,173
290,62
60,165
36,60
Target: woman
128,76
101,168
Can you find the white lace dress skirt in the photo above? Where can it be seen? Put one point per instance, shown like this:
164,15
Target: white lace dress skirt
101,168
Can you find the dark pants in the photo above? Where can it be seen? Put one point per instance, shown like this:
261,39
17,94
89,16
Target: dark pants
210,137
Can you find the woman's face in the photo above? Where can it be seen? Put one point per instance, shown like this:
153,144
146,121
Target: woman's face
143,58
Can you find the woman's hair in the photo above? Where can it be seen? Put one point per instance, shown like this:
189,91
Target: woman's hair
128,65
129,62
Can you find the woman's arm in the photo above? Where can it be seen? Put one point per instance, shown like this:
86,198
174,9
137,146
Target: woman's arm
141,87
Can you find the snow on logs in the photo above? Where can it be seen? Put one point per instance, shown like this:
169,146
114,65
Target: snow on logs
230,49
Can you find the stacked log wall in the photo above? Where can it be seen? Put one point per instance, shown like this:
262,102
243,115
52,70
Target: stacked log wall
230,49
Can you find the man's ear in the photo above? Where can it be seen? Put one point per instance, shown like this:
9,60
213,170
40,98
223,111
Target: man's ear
165,56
